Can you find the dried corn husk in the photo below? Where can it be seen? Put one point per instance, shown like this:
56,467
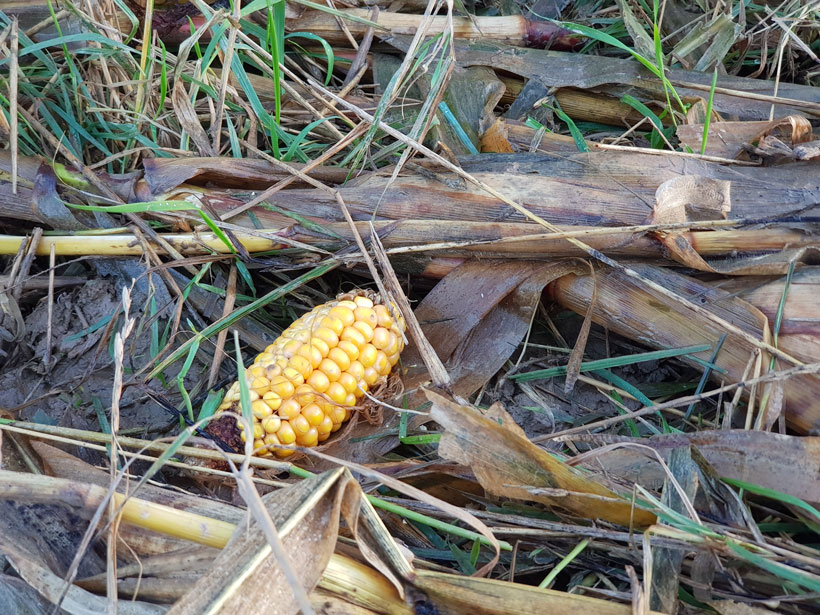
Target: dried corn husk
629,309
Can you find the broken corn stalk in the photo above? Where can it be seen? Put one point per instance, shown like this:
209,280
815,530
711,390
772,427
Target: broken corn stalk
306,384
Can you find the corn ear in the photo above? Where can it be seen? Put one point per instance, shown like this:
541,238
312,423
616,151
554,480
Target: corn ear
304,386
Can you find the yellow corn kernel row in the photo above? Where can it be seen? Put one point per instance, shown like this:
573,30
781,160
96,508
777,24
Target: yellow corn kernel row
303,386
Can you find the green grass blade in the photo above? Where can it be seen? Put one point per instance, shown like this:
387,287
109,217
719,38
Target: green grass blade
330,58
708,120
644,110
612,362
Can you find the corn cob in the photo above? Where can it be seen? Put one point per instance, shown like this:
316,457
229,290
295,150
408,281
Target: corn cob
305,384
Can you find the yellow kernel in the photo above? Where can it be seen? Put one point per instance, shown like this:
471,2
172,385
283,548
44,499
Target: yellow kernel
294,375
368,355
382,338
286,434
242,436
312,354
397,315
273,400
334,324
396,345
356,370
320,345
352,334
350,305
368,315
260,409
350,400
290,348
282,387
324,436
365,329
271,424
318,381
328,336
256,370
310,438
300,364
336,392
393,359
382,365
257,444
304,394
363,302
258,432
300,424
313,413
253,395
397,331
337,414
351,350
371,376
260,385
345,314
330,369
325,427
272,371
283,452
271,440
289,409
340,358
383,314
348,381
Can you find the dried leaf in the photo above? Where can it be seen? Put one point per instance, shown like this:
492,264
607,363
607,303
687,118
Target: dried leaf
644,44
48,205
624,306
495,140
728,139
164,174
466,334
507,464
576,358
714,39
186,115
245,577
689,198
775,395
776,461
455,595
